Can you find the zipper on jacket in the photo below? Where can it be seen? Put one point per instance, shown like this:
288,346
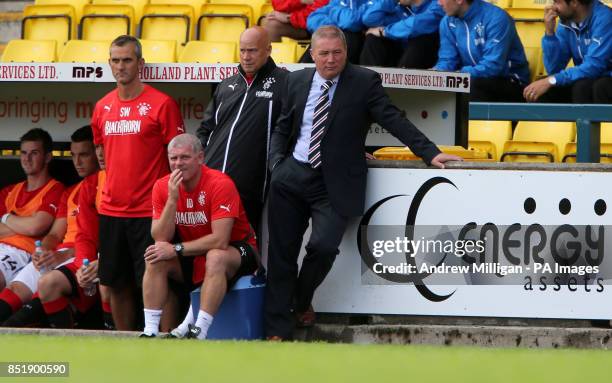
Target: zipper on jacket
263,192
216,123
231,133
467,30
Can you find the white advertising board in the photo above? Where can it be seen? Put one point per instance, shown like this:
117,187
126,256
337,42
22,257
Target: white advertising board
60,97
541,201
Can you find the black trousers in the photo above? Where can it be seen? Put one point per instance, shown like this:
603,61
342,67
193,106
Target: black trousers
297,193
420,52
496,89
585,91
354,43
602,91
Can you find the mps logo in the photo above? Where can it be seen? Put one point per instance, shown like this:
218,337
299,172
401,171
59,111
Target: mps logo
86,72
457,82
525,218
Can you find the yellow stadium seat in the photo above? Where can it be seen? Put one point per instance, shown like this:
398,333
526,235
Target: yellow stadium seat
489,136
530,4
264,10
208,52
83,51
78,5
106,21
530,32
223,22
167,22
534,58
301,49
400,153
504,4
138,5
159,51
284,52
256,5
29,51
49,22
529,20
605,148
538,141
195,4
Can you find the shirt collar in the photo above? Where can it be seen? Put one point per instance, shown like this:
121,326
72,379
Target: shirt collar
318,80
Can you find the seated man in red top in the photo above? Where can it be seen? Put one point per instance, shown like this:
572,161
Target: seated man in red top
27,208
57,245
203,207
289,18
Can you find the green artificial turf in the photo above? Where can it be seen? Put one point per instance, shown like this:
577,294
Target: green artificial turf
156,360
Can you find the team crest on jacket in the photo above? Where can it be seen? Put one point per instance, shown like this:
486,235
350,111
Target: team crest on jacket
201,198
480,30
268,82
143,108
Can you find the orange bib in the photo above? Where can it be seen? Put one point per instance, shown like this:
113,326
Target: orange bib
72,210
101,182
17,240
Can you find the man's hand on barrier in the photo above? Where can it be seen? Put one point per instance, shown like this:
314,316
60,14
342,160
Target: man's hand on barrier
159,251
439,160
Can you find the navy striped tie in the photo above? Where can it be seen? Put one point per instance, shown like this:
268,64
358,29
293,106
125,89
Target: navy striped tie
319,118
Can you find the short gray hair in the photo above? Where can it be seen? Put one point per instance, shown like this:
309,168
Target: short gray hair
187,139
123,40
328,32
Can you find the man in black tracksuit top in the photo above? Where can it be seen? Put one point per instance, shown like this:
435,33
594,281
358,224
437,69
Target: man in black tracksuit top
239,119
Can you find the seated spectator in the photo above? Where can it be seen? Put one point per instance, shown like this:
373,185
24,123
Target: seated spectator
58,244
401,34
27,208
345,15
203,206
480,38
289,18
584,34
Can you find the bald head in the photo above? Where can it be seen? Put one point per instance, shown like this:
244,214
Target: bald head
255,48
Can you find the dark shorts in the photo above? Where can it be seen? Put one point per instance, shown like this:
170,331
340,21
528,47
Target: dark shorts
248,265
81,302
248,261
123,242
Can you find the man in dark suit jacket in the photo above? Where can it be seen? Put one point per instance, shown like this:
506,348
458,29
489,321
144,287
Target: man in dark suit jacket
319,171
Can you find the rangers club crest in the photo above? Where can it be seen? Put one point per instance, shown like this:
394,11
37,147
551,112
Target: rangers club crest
268,82
202,198
143,108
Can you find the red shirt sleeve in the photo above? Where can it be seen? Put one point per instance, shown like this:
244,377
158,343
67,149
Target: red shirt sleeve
86,242
298,18
3,194
62,209
225,201
159,197
52,199
95,126
171,120
287,6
